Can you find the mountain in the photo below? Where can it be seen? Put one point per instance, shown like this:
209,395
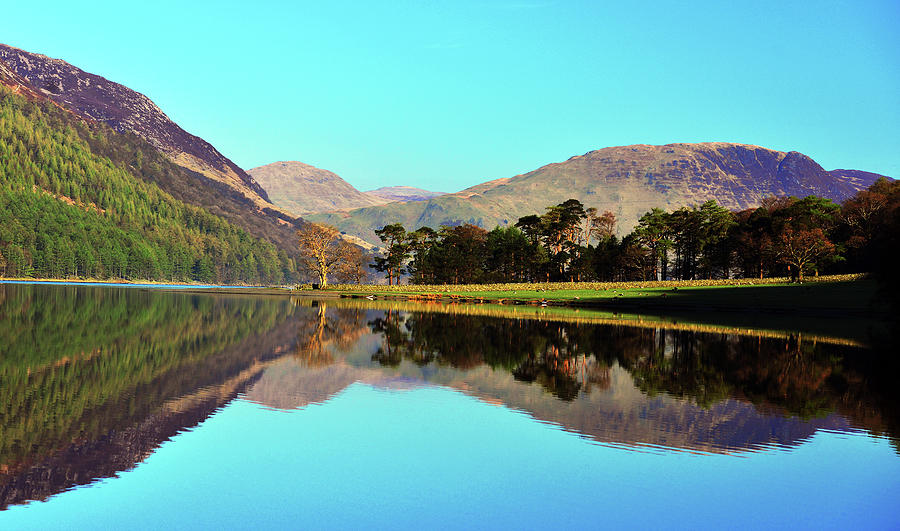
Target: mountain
97,98
302,189
627,180
150,145
403,193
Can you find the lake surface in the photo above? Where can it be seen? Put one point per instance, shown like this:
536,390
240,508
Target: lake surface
147,408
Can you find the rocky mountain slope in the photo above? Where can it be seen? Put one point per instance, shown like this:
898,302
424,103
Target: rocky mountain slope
403,193
302,189
139,136
628,180
126,110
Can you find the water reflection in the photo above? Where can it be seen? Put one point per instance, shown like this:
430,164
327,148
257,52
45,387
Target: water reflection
631,385
95,379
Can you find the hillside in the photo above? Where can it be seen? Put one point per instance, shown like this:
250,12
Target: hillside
403,193
183,165
628,180
68,210
126,110
302,189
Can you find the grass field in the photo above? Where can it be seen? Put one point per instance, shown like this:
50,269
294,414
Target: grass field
834,294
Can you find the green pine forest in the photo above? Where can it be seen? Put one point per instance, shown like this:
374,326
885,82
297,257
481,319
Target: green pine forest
66,211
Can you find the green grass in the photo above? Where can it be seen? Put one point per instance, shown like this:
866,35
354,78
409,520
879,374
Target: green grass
845,293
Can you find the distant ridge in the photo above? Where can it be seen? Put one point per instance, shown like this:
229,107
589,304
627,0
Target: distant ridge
303,189
404,193
628,180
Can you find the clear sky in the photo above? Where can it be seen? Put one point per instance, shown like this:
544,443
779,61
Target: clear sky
444,95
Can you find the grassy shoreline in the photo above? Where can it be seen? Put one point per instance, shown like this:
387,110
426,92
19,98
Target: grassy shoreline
839,294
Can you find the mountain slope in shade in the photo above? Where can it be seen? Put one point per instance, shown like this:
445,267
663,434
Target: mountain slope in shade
302,189
126,110
627,180
404,193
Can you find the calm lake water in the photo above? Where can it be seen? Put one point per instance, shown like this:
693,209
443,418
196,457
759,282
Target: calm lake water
145,408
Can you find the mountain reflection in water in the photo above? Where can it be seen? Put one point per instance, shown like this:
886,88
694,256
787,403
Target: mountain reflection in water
95,379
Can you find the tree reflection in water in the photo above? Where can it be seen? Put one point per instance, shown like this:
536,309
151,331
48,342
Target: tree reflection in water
95,379
318,336
788,376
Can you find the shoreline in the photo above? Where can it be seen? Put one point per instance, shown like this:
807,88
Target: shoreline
834,296
829,307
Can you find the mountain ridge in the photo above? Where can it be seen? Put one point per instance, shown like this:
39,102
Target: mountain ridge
222,193
97,98
403,193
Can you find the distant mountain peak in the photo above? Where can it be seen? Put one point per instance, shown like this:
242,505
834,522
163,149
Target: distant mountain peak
301,188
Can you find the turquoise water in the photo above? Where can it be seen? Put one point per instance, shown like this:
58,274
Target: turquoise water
249,412
435,457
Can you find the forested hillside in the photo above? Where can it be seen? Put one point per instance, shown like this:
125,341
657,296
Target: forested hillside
67,211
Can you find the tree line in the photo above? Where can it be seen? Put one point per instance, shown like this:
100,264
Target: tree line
784,236
67,211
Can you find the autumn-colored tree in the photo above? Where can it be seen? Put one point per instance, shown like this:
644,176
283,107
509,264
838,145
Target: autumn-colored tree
322,250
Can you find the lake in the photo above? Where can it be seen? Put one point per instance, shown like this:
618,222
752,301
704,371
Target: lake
151,408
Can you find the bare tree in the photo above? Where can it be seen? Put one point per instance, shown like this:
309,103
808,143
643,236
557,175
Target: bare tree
603,226
354,269
322,250
803,247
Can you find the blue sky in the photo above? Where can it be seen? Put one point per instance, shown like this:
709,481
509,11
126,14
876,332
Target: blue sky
445,95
